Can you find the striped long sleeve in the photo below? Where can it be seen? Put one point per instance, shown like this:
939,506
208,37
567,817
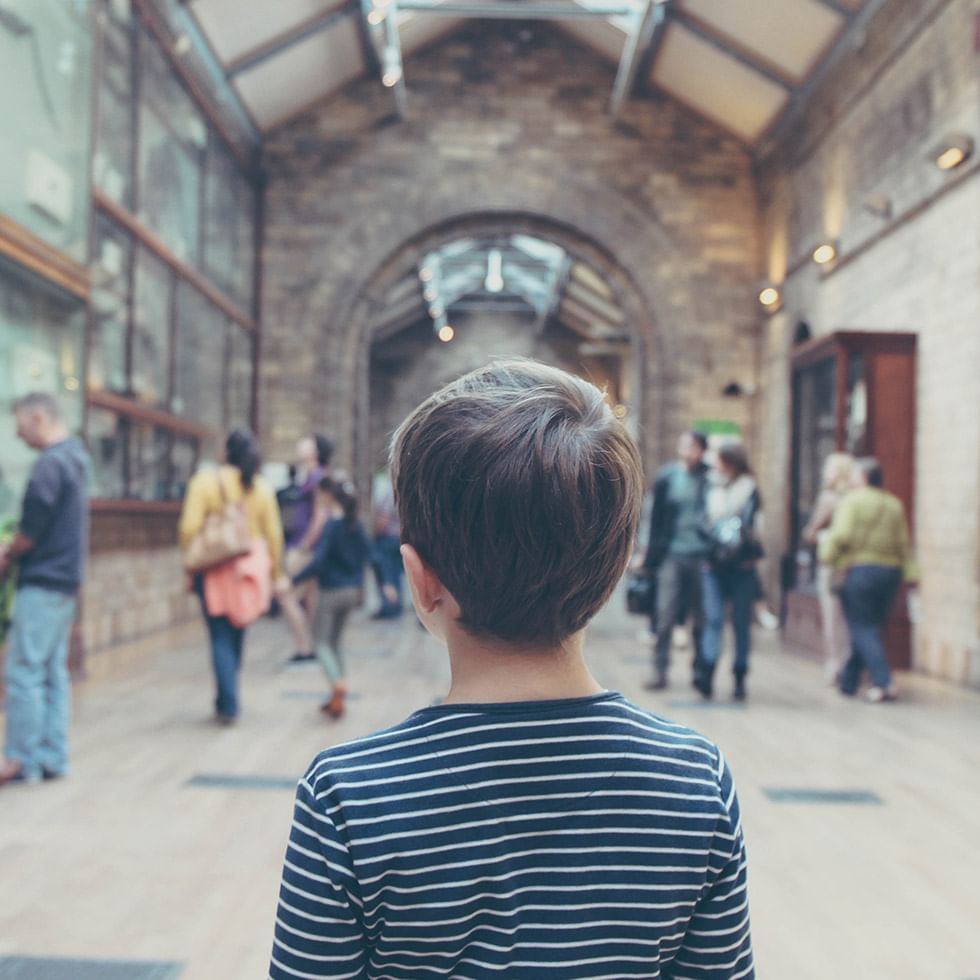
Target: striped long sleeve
580,839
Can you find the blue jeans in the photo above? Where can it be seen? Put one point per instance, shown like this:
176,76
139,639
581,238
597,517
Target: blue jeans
226,660
719,587
678,591
388,564
38,687
866,598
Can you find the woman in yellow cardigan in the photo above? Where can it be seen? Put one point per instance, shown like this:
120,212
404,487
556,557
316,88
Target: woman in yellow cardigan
240,480
869,539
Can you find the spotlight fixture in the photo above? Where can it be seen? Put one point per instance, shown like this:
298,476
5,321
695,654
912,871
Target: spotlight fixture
446,333
825,253
494,280
953,151
620,410
391,74
426,273
769,297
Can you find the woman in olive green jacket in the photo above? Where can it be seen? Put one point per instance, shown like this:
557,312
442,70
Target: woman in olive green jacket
869,539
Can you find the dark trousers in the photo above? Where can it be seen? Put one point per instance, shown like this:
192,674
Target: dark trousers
866,598
678,588
723,586
226,660
389,569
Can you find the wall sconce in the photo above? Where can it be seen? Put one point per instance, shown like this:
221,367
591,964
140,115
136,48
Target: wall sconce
954,150
770,297
825,253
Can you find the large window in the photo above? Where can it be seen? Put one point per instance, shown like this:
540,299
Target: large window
112,163
229,224
171,355
172,140
44,106
40,350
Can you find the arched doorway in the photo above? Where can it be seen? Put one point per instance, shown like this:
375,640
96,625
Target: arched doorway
563,299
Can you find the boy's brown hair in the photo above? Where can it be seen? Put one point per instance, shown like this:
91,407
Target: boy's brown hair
520,489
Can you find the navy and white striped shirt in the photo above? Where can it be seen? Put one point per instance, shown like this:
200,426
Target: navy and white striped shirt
581,839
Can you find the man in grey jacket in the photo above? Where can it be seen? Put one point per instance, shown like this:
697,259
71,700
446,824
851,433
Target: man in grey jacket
49,550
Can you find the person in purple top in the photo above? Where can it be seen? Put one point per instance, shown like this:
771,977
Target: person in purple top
302,531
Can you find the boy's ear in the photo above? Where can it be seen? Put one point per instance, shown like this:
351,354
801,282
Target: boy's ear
426,588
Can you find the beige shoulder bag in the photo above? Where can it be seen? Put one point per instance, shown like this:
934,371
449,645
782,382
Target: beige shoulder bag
223,536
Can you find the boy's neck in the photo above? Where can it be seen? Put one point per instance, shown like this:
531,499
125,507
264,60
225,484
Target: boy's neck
484,673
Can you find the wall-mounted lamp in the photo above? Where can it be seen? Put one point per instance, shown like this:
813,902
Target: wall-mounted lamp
954,150
825,253
620,410
770,297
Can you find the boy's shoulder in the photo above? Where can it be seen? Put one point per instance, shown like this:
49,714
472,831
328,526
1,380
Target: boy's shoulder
432,730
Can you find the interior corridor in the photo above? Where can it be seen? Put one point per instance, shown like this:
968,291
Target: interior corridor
174,830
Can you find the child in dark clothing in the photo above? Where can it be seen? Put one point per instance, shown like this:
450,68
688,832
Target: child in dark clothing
338,565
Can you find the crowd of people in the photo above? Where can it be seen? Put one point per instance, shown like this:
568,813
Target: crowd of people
303,549
507,567
704,547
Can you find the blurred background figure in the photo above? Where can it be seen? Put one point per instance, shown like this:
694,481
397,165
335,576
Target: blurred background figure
869,540
838,477
306,520
227,614
385,556
729,575
337,566
49,550
676,548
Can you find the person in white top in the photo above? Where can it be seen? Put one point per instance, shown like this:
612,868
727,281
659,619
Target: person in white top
728,576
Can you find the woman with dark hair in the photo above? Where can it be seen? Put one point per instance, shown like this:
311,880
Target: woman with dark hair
237,482
728,576
868,540
338,566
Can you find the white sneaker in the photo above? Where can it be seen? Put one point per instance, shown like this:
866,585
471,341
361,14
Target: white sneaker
766,619
679,638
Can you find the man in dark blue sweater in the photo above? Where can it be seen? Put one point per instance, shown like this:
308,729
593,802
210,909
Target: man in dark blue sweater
49,551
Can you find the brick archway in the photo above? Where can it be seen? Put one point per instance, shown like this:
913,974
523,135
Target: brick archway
648,347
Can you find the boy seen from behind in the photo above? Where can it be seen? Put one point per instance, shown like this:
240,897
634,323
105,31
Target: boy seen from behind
533,825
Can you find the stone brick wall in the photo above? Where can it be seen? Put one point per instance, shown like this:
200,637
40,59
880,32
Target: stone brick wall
868,134
507,120
135,583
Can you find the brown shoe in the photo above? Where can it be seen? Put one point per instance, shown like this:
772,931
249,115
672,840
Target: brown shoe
334,708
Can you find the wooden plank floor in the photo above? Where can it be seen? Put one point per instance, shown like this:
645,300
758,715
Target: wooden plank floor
125,859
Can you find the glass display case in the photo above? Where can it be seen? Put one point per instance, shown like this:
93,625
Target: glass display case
45,62
852,392
41,331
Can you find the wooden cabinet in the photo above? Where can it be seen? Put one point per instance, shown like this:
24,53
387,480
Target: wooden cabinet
852,392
